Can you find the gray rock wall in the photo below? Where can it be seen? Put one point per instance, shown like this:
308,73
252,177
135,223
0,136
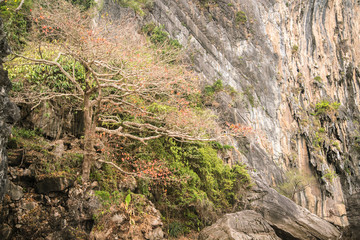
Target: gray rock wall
8,113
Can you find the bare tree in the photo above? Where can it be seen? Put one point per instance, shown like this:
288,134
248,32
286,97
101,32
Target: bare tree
125,89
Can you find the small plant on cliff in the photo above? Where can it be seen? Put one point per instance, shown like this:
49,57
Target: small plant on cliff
139,6
295,182
325,107
240,17
329,175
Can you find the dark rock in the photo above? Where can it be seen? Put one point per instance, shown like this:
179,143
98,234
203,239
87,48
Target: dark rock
289,220
354,214
239,226
53,184
82,204
15,157
9,113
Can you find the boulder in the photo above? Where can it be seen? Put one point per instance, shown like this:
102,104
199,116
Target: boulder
289,220
53,184
242,225
15,192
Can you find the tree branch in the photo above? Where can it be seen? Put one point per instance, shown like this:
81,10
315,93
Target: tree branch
47,62
20,5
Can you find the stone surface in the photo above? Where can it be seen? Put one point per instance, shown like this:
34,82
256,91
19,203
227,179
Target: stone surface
53,184
239,226
289,220
15,192
9,113
354,214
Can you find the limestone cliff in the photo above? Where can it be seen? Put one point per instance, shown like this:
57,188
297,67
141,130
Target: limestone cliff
296,67
8,113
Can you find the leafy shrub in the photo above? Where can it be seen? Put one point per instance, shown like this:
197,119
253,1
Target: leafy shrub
159,37
318,79
138,6
203,179
177,228
240,17
325,106
24,133
212,89
330,176
86,4
16,24
294,49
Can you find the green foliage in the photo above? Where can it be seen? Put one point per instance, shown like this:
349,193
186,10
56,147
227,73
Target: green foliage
330,176
219,146
24,133
294,49
44,78
318,79
108,198
249,96
216,87
47,77
317,140
16,24
177,229
138,6
325,107
85,4
127,200
295,182
107,177
159,37
204,178
240,17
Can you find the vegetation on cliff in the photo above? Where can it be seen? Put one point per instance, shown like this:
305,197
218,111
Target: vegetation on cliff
143,115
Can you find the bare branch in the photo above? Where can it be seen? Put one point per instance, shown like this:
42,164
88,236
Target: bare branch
118,168
128,173
20,5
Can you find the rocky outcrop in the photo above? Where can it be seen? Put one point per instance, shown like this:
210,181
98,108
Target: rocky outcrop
289,220
272,216
239,226
8,113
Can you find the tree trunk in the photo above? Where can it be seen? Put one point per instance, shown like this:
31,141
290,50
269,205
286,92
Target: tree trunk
88,139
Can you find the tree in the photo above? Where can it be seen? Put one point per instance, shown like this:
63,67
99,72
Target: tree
295,182
123,86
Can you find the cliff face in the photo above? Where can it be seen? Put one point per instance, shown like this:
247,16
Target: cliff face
296,67
8,113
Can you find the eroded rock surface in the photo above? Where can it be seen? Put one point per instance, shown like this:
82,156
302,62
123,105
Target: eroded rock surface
242,225
289,220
